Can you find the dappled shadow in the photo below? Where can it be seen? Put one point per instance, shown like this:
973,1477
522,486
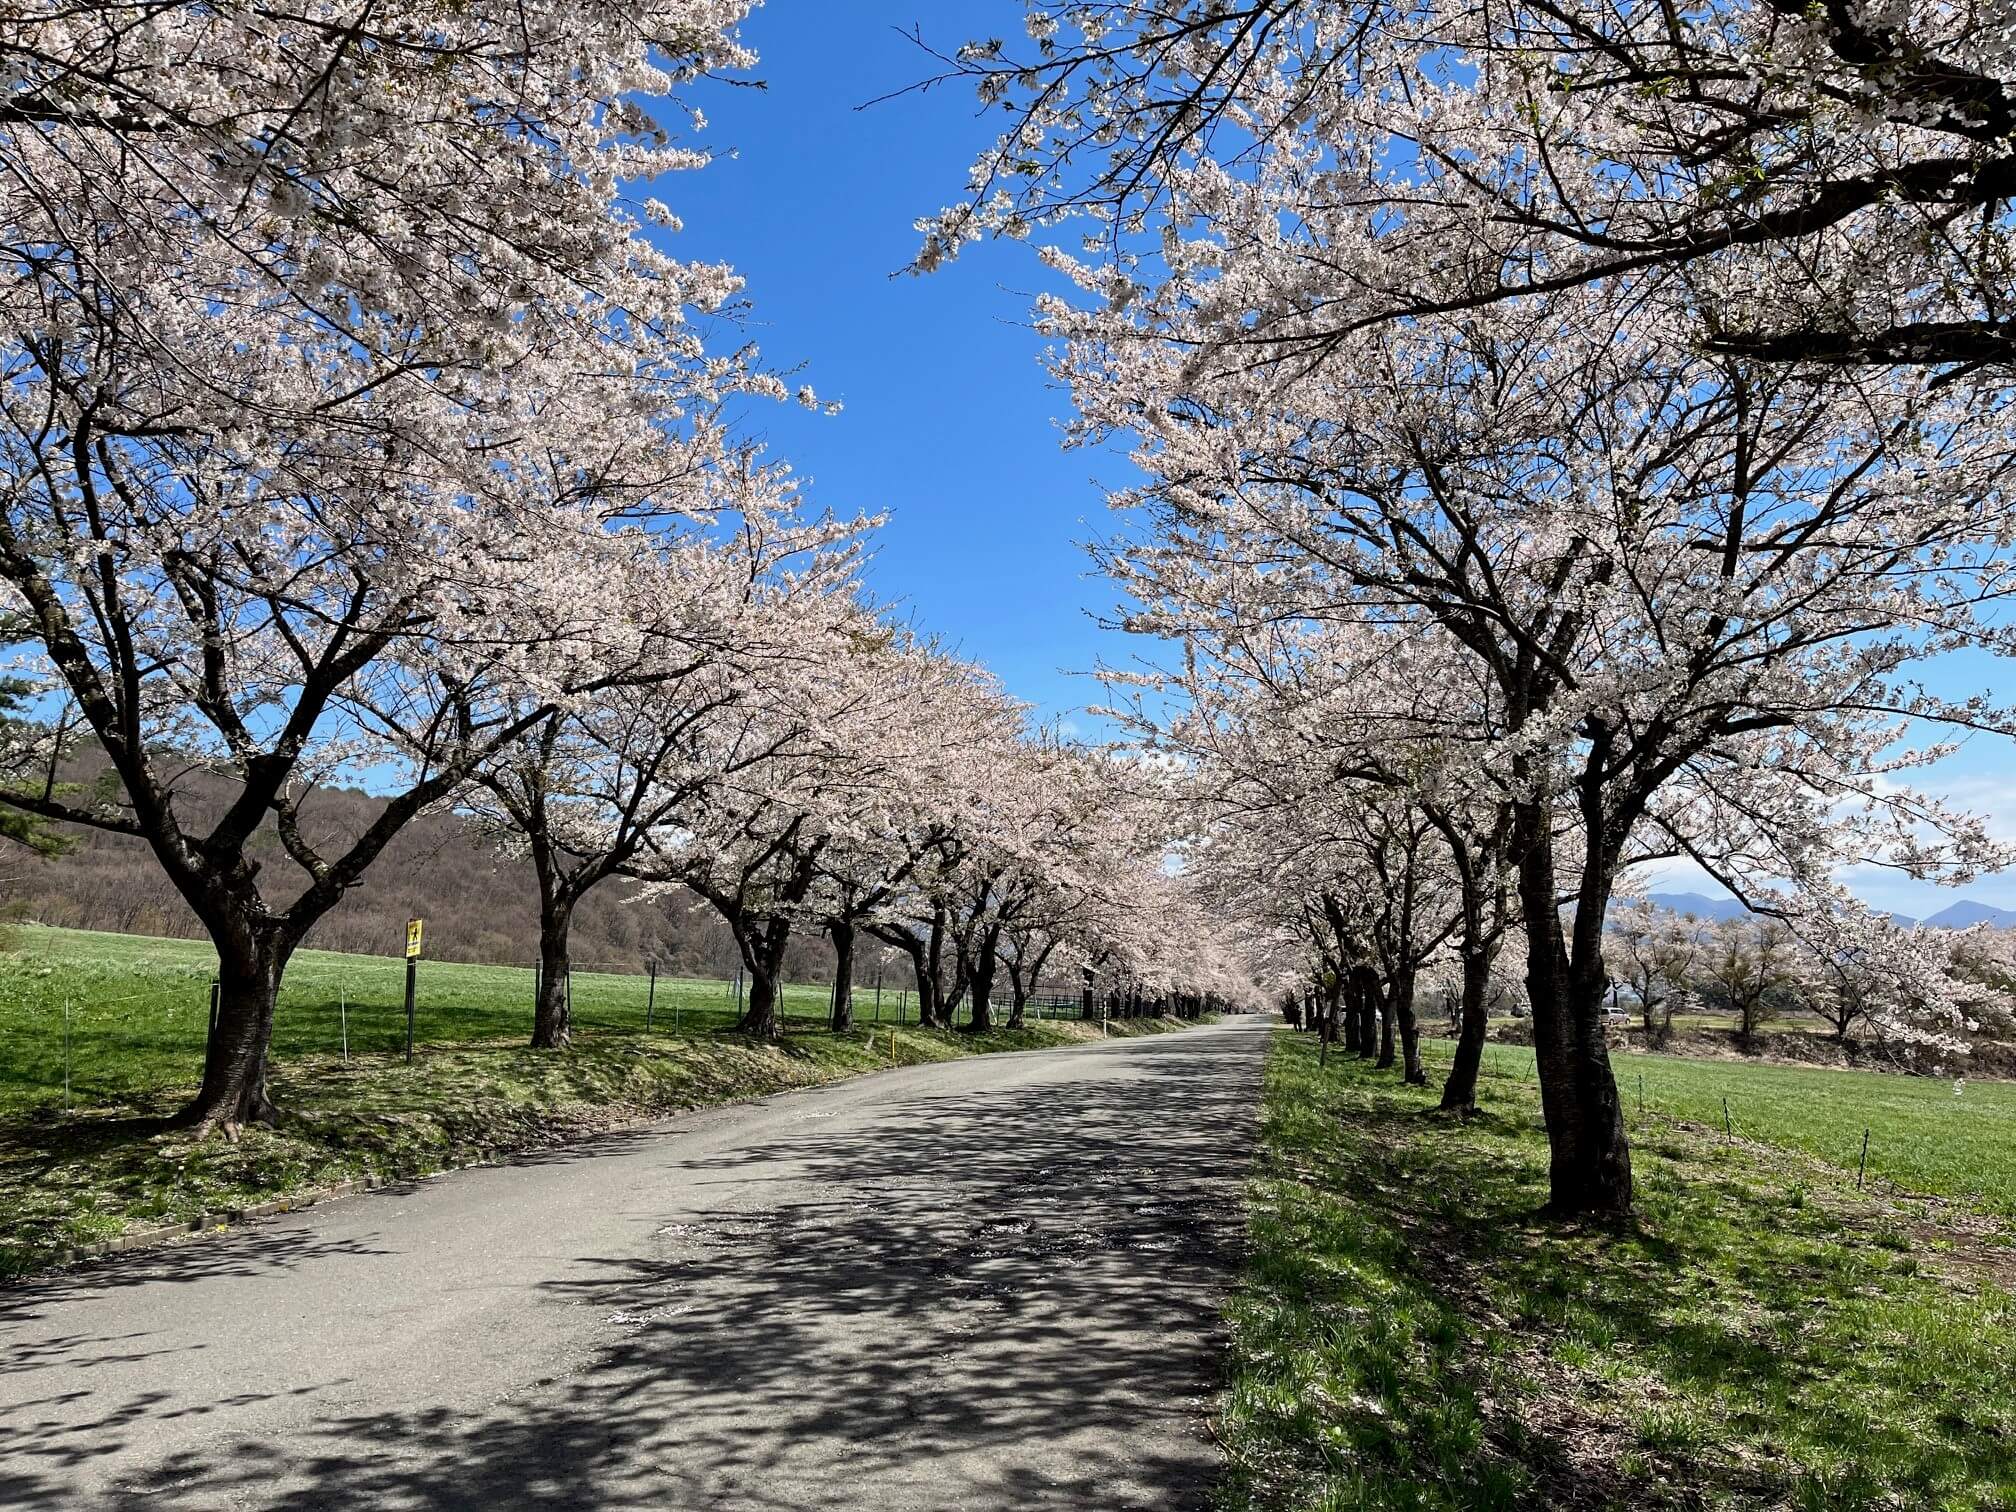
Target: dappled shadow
980,1290
1448,1235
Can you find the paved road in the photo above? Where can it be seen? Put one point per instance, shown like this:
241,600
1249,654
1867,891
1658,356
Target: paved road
991,1283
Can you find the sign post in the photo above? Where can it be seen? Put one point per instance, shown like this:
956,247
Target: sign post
413,931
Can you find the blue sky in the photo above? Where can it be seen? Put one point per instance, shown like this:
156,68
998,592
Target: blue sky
950,423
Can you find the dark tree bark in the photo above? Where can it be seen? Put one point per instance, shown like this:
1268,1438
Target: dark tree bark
763,944
986,956
1589,1165
921,970
1366,986
552,1021
1023,975
249,966
1411,1070
842,934
1459,1092
1385,1059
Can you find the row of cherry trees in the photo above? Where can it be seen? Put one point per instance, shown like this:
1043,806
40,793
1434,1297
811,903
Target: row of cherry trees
1563,429
356,424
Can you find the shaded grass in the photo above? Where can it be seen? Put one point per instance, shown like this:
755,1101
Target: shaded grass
138,1010
1924,1137
68,1181
1409,1335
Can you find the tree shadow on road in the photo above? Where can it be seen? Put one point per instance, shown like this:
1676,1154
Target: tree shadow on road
998,1297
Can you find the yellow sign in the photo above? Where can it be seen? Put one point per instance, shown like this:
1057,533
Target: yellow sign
413,939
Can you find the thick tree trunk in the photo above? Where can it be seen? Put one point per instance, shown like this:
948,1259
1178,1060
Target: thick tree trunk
1367,986
1589,1169
1459,1093
763,954
930,1011
1385,1060
920,972
933,965
962,978
250,961
1411,1070
981,983
842,934
553,1019
1349,989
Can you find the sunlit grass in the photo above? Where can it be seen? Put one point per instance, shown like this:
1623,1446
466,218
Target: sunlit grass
138,1010
1411,1335
474,1091
1923,1134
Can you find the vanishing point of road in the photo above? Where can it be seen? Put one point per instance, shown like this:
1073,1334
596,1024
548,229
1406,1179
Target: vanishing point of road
985,1283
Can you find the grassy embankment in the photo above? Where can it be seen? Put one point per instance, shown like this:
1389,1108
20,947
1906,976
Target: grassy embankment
138,1009
1764,1335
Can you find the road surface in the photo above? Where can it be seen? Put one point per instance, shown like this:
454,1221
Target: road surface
990,1283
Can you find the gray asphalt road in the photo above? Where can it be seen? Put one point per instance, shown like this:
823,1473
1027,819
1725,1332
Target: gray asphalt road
986,1284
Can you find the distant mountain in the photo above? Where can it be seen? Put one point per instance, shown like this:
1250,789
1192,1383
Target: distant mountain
1967,913
1699,906
1961,915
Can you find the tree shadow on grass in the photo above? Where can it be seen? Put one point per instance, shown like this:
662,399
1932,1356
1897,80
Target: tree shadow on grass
1706,1351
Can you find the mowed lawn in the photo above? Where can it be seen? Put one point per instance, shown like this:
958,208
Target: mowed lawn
1940,1136
138,1010
1411,1334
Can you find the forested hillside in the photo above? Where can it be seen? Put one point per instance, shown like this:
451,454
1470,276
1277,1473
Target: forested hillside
480,905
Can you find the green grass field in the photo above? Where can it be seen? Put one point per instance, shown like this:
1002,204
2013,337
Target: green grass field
92,1162
1923,1136
138,1010
1410,1335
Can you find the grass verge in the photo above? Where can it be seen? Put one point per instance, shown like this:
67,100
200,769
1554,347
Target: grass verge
70,1180
1409,1335
94,1018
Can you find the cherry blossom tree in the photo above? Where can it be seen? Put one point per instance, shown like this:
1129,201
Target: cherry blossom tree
328,373
1830,180
1692,584
1656,951
581,793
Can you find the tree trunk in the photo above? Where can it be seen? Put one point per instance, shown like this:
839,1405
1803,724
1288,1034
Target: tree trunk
1385,1029
1349,989
1366,984
250,961
981,982
1589,1169
842,934
961,980
1412,1071
1459,1093
553,1019
763,955
932,963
